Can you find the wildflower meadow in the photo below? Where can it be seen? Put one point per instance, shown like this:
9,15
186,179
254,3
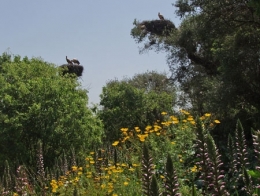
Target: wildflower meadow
176,156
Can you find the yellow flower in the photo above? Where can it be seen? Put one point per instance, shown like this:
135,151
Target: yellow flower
162,177
134,165
110,190
115,143
184,121
184,112
163,113
131,169
194,169
181,160
207,114
125,183
202,118
173,143
173,118
137,129
54,186
74,168
142,137
124,129
92,153
76,179
216,121
15,194
193,122
148,127
190,118
175,122
157,128
92,162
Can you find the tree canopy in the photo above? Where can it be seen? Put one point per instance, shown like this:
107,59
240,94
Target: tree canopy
39,104
213,55
135,102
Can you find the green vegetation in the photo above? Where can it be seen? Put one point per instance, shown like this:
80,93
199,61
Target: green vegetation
137,141
37,104
135,102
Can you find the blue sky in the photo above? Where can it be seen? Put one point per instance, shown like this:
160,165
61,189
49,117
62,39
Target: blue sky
97,33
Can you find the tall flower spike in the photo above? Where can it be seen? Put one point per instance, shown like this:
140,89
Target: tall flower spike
40,168
256,144
147,171
217,185
204,162
232,172
22,181
241,154
65,163
73,156
154,187
171,184
241,147
249,188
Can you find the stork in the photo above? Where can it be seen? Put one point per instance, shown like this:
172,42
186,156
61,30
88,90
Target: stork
160,16
75,61
143,27
69,61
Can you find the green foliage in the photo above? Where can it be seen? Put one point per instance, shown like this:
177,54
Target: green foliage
131,170
122,107
38,104
135,102
213,56
255,6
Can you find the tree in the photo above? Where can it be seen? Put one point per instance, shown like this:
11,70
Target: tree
213,55
38,104
133,102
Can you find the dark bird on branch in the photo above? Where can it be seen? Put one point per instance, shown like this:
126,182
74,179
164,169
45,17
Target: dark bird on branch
69,61
75,61
160,16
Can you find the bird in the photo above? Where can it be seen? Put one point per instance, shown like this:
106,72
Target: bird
69,61
143,27
75,61
160,16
